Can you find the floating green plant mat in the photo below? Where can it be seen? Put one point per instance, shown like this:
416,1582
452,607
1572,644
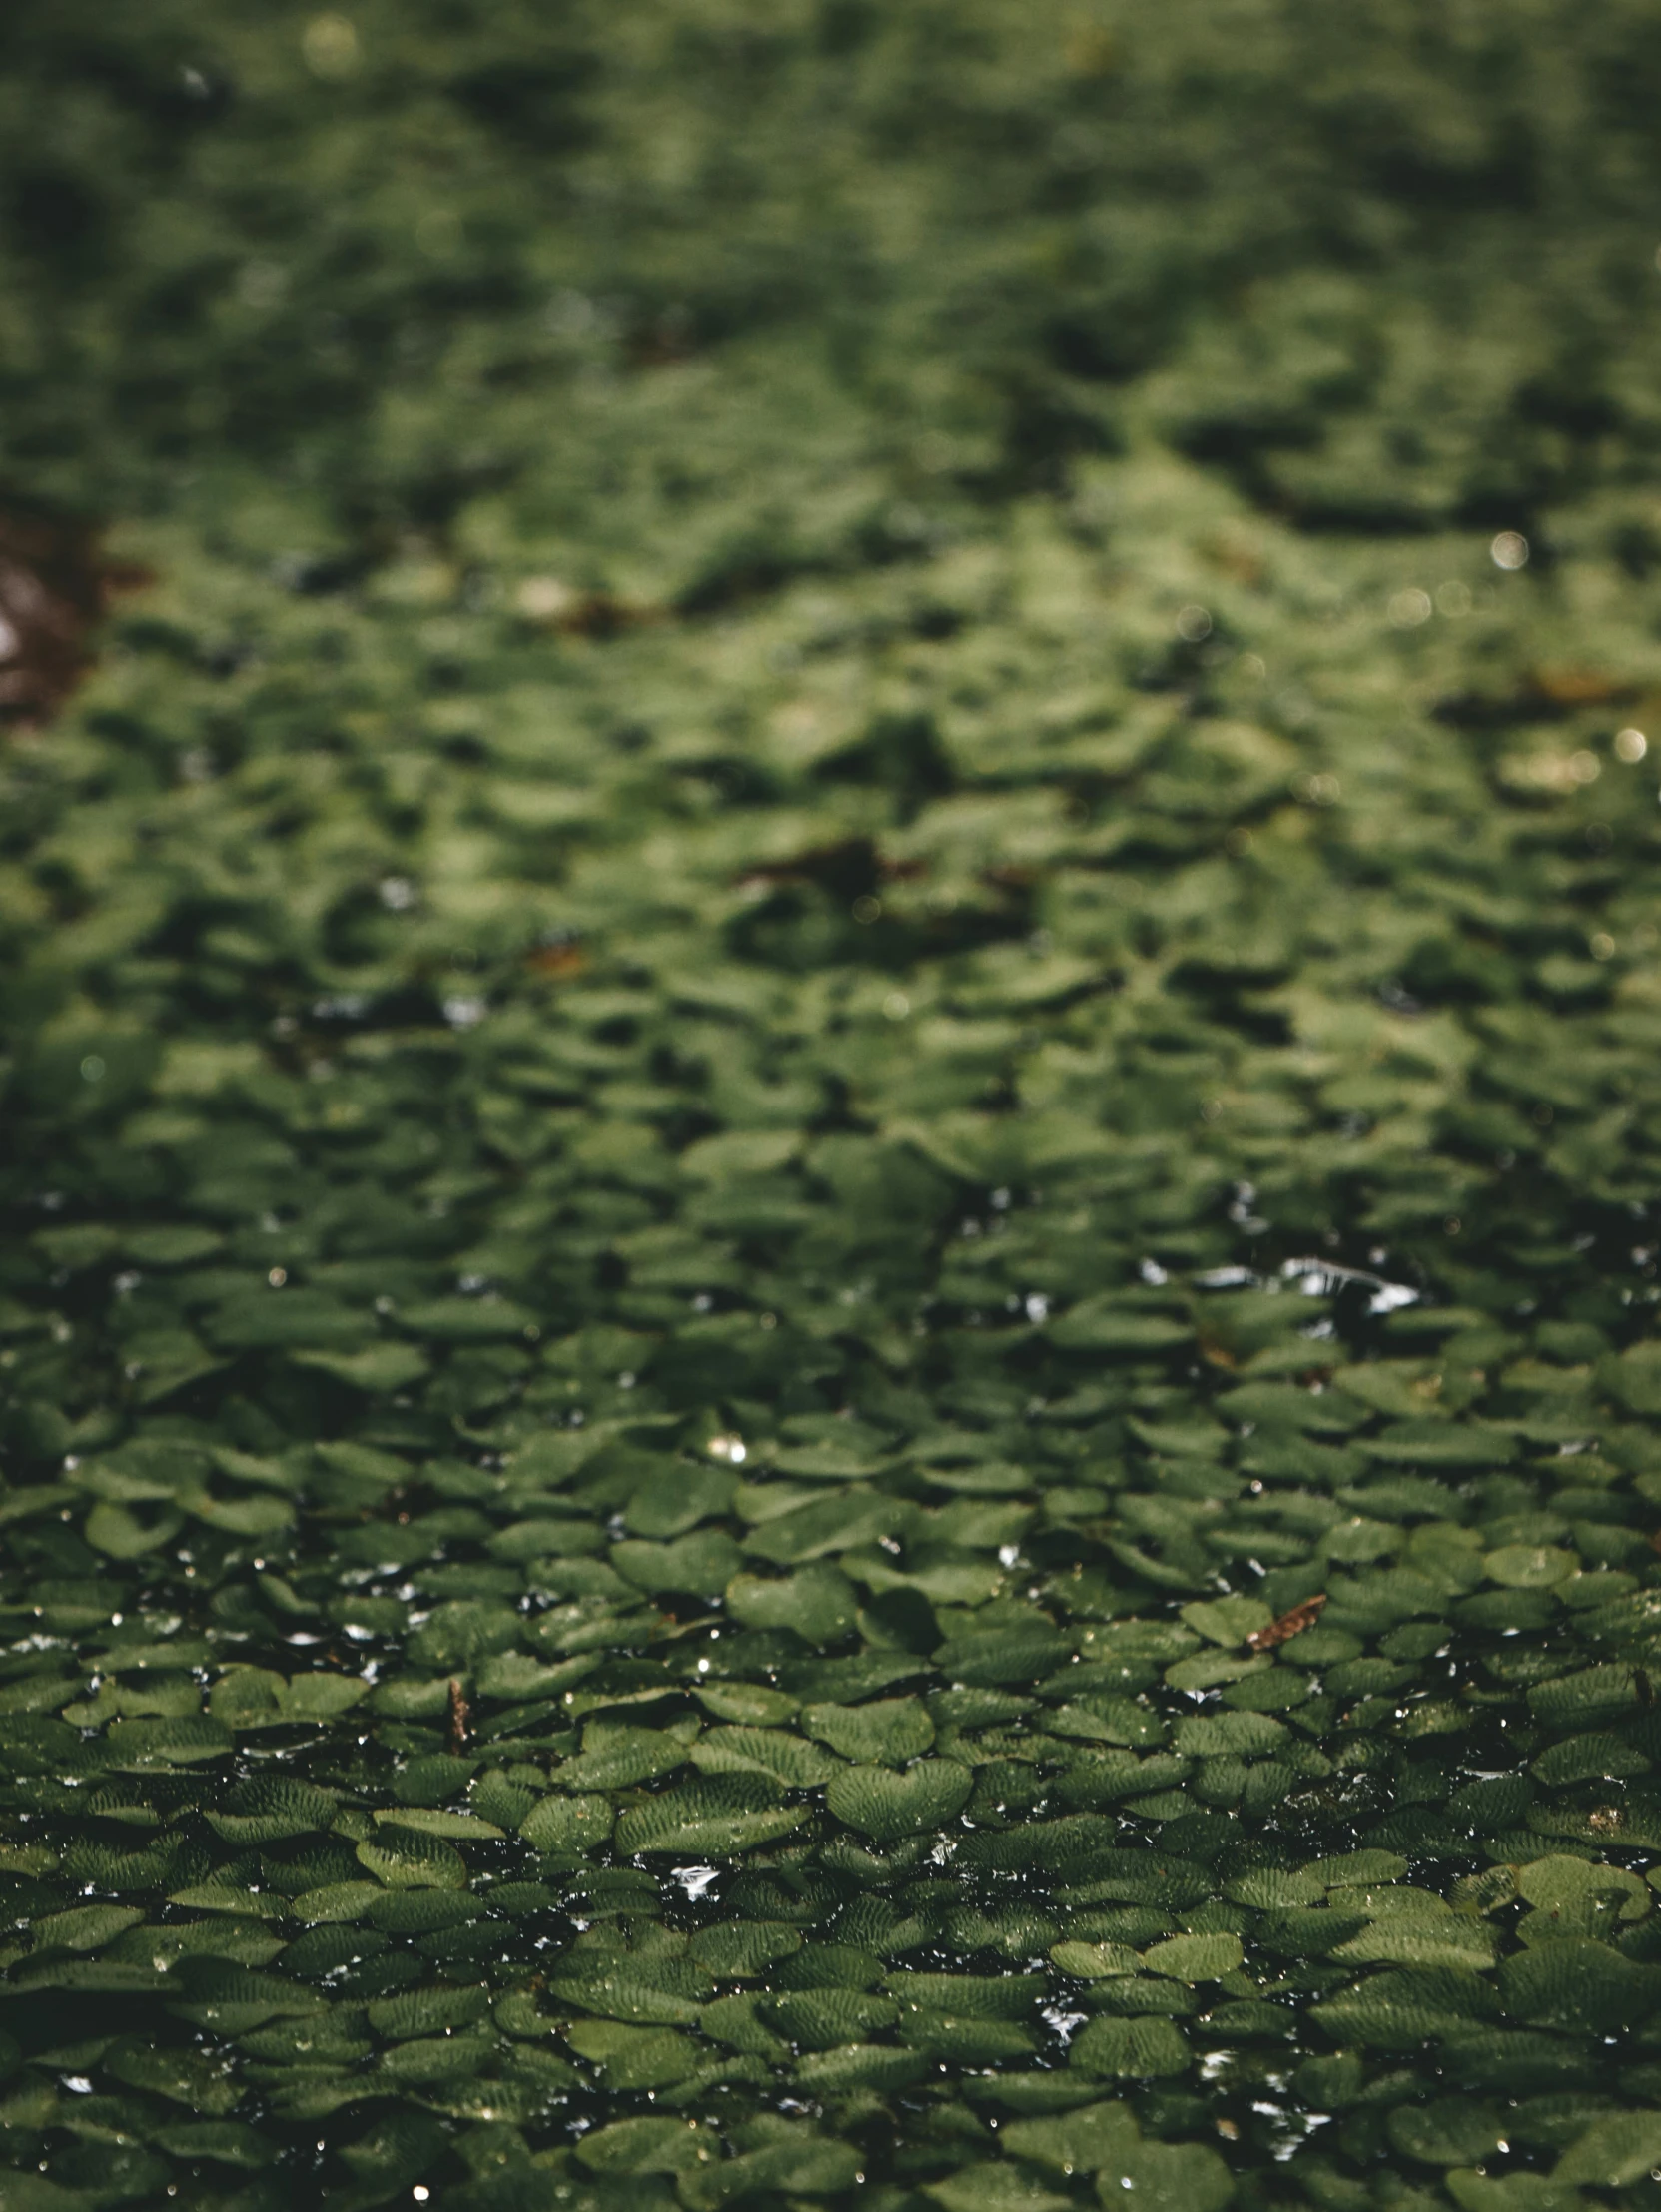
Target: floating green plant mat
828,1368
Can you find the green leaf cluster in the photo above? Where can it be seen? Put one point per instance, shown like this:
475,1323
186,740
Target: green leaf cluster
828,1361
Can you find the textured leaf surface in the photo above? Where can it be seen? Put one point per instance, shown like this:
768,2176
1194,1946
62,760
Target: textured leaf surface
724,1815
889,1804
828,1029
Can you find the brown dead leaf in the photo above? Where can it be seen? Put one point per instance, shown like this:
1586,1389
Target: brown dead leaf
1287,1626
55,587
559,962
1568,686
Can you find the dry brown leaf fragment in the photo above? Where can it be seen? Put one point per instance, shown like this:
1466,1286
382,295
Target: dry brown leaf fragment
1566,685
560,961
1287,1626
56,585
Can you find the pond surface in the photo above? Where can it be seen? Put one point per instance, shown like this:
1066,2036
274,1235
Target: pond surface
828,1369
